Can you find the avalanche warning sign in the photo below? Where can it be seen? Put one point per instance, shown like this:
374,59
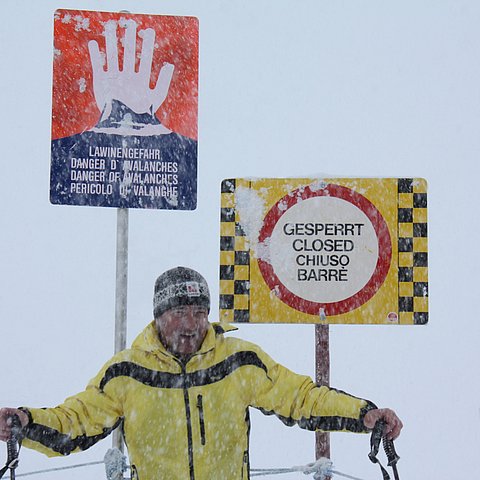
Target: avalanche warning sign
324,251
124,110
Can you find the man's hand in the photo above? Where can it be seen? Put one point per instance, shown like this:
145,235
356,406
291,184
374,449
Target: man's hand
393,424
126,85
6,415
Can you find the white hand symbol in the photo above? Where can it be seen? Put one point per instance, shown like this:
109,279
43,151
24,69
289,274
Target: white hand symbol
128,86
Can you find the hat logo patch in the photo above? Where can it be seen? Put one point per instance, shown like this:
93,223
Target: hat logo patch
193,289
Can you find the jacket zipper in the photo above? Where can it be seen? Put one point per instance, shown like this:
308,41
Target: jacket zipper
188,415
189,421
201,418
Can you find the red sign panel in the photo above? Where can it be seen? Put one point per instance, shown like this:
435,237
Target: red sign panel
124,110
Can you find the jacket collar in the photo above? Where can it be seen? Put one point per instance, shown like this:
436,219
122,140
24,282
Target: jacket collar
148,339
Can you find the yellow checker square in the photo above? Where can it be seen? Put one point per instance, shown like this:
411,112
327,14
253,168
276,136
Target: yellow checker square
405,230
405,200
420,274
405,259
226,315
405,289
227,258
406,318
241,244
420,244
420,304
419,185
325,250
227,229
241,302
420,215
227,287
228,200
242,272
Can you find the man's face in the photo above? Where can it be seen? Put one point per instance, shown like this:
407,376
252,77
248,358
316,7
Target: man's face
182,329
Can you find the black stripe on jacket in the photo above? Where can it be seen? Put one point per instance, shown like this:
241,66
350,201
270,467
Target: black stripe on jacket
62,443
158,379
333,423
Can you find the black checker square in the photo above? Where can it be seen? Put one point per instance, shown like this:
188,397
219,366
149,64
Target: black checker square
227,272
405,185
405,215
227,214
241,287
405,304
420,318
226,302
241,316
405,244
405,274
228,185
420,230
420,289
239,232
420,200
242,258
227,243
420,259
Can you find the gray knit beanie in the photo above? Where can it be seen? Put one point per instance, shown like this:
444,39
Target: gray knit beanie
179,286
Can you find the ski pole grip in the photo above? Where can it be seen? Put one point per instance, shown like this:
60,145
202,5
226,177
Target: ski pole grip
392,455
16,427
377,433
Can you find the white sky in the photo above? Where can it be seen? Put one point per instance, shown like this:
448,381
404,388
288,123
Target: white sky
287,88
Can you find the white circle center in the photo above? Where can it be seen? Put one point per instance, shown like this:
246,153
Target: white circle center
324,249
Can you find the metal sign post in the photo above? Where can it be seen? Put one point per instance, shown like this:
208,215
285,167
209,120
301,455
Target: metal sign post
322,377
121,297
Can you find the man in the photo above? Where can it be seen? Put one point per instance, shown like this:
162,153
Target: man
182,393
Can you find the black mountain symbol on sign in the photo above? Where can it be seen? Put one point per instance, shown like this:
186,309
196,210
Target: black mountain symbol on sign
121,115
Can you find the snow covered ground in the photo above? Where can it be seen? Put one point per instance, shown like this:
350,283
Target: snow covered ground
287,88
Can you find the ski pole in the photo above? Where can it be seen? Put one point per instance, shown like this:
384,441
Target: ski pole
13,447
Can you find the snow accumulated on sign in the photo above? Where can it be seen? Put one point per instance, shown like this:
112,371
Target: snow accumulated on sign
324,250
250,206
124,110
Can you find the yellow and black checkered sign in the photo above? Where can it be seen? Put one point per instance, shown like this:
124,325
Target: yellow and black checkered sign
412,252
402,298
234,258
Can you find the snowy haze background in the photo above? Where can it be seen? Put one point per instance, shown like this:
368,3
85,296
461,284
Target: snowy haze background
287,88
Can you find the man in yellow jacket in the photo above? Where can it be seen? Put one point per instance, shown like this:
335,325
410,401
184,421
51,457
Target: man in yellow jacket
182,394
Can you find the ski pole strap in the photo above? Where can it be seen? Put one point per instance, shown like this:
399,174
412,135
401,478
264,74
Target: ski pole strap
392,457
13,447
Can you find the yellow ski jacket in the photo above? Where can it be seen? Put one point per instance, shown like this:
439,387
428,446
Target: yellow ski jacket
189,420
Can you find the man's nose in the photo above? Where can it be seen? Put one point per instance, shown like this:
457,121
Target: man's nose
189,320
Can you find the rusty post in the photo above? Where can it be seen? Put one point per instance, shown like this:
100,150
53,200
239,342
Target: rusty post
322,377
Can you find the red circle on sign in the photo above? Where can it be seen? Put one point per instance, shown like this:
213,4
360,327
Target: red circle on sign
381,268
